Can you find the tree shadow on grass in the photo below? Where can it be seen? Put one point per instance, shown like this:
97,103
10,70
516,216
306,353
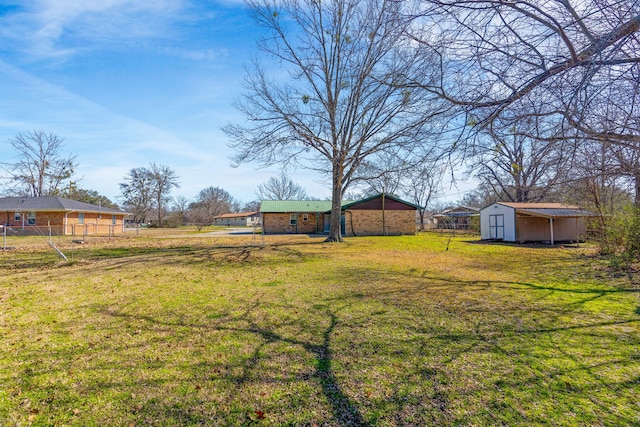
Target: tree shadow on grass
345,411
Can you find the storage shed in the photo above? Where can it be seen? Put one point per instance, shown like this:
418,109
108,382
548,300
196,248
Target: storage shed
532,222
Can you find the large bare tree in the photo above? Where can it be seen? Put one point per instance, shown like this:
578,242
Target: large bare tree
518,166
423,183
281,188
146,189
40,168
575,65
342,100
211,202
164,179
563,54
137,193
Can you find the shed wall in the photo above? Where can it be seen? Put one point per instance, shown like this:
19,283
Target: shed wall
509,221
535,229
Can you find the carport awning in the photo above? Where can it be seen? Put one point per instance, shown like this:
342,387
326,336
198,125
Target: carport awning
553,213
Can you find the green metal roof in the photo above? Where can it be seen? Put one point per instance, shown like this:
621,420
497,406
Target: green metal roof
295,206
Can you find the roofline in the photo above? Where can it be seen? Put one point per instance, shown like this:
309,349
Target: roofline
386,196
236,214
61,200
68,210
510,205
579,213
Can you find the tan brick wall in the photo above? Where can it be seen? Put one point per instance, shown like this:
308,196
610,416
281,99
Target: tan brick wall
94,223
370,223
277,223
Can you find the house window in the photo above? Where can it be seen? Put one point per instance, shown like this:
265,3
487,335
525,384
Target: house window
305,217
80,217
16,216
293,219
31,218
113,220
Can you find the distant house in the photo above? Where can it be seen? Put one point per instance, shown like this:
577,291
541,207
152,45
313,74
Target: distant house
458,218
533,222
375,215
36,215
239,219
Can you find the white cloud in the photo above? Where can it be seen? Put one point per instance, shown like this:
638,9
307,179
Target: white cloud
99,137
58,29
197,55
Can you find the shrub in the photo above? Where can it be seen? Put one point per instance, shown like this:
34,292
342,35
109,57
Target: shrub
620,238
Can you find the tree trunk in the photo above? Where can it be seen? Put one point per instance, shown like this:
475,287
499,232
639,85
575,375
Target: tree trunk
159,201
636,201
335,234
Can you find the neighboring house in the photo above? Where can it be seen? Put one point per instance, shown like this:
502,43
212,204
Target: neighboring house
533,222
240,219
39,215
458,218
374,216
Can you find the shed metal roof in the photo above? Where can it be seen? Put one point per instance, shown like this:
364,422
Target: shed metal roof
51,204
527,205
555,213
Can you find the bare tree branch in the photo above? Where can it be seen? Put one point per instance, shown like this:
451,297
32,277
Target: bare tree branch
40,168
343,102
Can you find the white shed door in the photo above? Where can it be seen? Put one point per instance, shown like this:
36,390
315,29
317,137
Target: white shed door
496,226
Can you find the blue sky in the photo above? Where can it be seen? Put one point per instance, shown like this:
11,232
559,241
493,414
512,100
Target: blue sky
130,82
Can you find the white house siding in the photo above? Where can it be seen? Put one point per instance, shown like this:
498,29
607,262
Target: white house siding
506,213
237,221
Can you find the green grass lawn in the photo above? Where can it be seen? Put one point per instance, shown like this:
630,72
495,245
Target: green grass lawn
384,331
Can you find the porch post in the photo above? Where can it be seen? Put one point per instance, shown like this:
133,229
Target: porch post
384,225
551,226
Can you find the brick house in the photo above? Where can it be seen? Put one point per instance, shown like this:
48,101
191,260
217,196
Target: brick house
238,219
36,215
377,215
